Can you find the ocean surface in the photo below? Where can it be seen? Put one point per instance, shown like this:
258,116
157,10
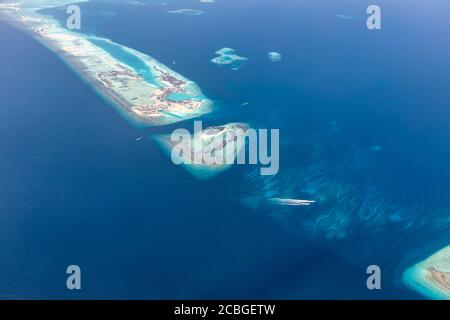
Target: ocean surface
364,122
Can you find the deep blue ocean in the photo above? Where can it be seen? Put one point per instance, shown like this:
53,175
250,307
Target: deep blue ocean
364,119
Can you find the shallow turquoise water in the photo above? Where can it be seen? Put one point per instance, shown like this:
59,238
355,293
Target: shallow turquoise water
127,58
180,96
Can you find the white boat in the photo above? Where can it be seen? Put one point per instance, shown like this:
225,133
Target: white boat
292,202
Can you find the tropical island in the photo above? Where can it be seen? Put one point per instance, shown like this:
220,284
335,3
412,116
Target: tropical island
137,85
431,277
207,152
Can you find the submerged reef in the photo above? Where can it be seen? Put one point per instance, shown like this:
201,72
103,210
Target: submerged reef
228,57
356,212
346,17
274,56
190,12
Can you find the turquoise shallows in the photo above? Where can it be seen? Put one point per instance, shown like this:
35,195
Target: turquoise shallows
127,58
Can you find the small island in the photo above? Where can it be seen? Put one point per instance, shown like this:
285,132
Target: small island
207,152
228,57
431,277
274,56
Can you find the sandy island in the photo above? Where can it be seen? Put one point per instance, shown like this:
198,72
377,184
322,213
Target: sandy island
431,277
209,151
